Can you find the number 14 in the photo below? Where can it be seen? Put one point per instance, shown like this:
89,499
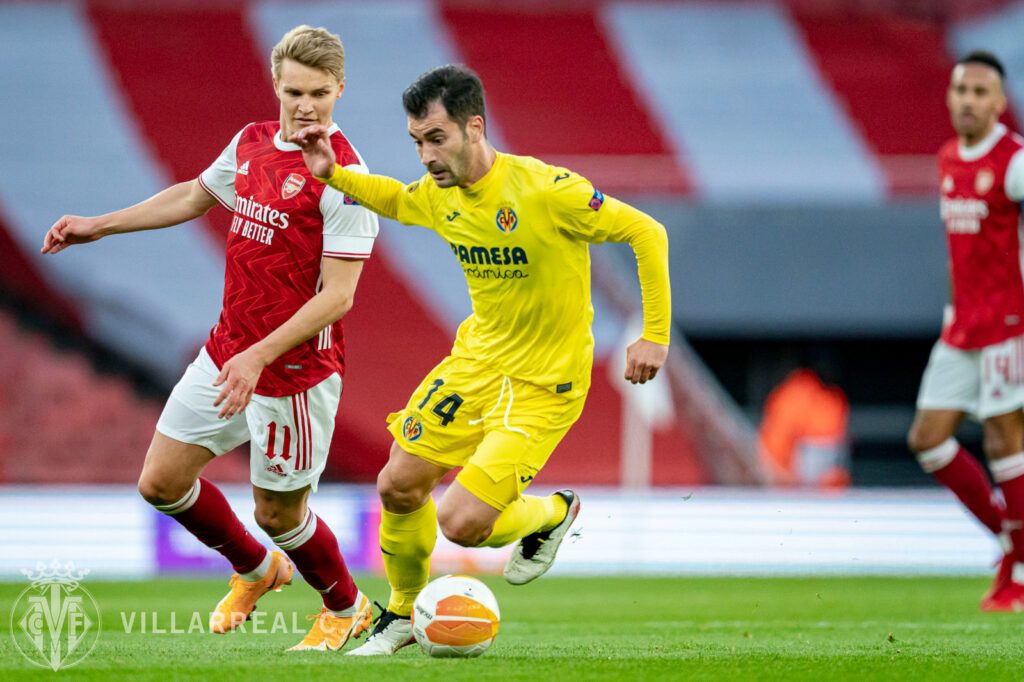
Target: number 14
446,407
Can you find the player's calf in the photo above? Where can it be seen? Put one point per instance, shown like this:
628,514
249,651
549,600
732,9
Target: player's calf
464,531
204,512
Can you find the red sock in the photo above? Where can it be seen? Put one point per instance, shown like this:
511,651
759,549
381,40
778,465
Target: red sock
205,513
1009,474
314,551
959,471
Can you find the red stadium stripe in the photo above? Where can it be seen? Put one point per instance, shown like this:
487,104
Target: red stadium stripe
873,61
191,75
20,277
577,106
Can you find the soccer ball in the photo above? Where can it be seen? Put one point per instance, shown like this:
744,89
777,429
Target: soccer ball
455,616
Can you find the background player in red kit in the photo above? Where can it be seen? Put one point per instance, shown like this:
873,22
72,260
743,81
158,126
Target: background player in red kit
977,367
270,371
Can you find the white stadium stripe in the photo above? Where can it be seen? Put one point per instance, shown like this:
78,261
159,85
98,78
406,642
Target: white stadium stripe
736,89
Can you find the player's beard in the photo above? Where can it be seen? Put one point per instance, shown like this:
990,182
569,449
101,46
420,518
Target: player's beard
459,167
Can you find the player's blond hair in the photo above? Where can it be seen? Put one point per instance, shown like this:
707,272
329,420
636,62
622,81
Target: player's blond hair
316,48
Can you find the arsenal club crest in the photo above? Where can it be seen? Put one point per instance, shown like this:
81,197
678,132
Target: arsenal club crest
292,185
984,180
947,184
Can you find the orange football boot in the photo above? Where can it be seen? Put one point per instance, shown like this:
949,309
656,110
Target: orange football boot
234,609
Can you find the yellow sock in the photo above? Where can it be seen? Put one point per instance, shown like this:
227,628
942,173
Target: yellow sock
406,541
528,514
558,513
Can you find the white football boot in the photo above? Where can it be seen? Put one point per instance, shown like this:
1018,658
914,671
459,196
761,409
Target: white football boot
390,633
535,553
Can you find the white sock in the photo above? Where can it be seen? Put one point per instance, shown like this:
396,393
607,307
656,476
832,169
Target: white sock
259,572
350,611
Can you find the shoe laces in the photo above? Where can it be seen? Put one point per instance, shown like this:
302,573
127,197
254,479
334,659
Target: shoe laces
316,616
386,618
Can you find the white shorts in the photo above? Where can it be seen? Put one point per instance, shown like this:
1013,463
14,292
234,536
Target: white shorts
984,383
289,436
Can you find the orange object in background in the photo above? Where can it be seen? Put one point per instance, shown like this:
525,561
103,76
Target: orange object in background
803,434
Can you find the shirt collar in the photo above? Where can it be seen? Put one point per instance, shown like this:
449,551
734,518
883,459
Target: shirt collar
983,147
291,146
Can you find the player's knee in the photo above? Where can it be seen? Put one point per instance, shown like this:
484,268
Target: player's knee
276,519
996,444
463,531
921,438
396,498
158,492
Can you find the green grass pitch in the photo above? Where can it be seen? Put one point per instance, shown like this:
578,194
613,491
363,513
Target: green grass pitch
585,629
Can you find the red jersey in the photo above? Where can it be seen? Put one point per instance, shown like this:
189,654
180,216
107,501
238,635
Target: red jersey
981,187
284,223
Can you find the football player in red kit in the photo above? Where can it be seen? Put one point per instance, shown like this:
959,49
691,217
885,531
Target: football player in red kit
977,366
270,372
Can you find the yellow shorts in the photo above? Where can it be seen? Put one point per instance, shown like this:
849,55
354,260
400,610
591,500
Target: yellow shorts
500,430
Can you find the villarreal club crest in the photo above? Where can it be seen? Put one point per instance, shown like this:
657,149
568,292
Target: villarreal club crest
506,220
412,429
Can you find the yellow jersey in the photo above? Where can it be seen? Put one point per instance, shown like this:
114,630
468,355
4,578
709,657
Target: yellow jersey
521,234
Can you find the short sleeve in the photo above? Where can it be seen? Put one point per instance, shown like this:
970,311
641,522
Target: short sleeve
1015,177
578,208
349,229
219,178
416,204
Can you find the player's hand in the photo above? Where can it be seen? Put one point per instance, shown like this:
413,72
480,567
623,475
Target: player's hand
238,379
71,229
315,141
643,360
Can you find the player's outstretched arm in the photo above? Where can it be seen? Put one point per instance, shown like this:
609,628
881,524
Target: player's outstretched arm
240,374
176,204
379,193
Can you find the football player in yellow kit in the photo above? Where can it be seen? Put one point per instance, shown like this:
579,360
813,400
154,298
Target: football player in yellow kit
518,373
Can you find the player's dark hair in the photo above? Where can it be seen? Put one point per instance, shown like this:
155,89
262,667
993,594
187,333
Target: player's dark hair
984,57
456,86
